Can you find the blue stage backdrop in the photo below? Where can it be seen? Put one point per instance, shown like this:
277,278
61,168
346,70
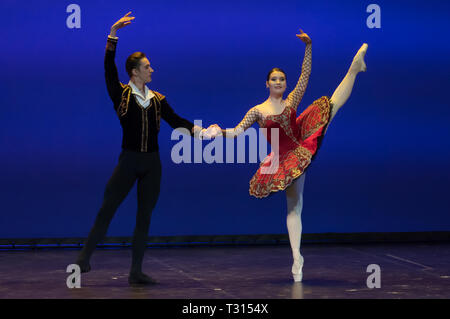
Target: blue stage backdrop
383,166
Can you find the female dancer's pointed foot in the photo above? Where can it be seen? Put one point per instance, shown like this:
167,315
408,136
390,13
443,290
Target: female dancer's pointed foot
140,279
297,271
298,277
358,64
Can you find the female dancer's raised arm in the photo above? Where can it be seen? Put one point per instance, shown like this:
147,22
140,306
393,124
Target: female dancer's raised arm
294,98
292,101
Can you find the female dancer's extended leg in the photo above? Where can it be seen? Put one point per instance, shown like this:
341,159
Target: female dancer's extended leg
294,196
343,91
294,193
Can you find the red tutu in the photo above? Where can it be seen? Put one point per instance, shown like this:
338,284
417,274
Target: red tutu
299,140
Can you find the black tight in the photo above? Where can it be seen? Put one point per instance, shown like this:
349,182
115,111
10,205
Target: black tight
132,166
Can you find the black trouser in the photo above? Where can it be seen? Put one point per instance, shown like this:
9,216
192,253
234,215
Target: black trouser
146,168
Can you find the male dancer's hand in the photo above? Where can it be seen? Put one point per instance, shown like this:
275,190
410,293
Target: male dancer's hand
125,20
214,131
211,132
304,37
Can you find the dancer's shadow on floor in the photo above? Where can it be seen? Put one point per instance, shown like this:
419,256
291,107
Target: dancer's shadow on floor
314,282
324,282
307,288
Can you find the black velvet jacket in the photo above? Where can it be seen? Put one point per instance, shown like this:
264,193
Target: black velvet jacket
140,125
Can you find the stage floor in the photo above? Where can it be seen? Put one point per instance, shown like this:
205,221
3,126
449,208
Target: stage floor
415,270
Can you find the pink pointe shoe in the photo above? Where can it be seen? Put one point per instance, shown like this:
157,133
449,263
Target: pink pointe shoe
297,271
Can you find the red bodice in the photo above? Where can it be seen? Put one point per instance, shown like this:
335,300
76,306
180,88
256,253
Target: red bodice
298,140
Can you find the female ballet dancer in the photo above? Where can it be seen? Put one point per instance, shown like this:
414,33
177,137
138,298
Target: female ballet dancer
299,138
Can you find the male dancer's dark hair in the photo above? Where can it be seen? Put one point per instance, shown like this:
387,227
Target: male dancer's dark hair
133,62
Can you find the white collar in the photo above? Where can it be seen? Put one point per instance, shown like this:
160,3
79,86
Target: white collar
148,94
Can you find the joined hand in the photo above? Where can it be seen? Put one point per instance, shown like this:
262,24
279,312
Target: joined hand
211,132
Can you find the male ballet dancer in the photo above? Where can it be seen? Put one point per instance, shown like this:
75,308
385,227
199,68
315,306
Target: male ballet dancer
139,110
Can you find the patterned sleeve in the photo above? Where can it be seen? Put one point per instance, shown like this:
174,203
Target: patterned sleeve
252,116
294,98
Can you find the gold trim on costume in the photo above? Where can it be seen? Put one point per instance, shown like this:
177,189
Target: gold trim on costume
276,183
260,188
284,120
159,97
324,110
125,100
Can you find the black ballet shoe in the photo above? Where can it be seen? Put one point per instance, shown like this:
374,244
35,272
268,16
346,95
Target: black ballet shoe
140,279
84,266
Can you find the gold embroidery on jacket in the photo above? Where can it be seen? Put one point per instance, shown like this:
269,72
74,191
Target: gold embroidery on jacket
144,123
123,109
144,134
158,98
125,100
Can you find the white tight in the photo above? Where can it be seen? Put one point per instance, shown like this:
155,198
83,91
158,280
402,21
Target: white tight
294,193
343,91
294,197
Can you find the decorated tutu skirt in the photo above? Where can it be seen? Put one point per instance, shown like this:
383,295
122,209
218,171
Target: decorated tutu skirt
298,141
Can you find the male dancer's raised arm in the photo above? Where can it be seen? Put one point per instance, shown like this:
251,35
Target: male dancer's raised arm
116,88
113,85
